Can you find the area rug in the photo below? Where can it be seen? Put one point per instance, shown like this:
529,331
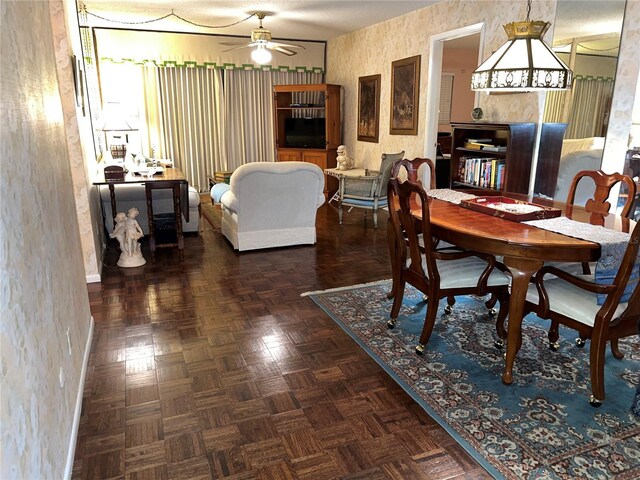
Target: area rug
541,426
211,213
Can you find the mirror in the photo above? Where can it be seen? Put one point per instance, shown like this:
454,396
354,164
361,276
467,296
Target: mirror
587,38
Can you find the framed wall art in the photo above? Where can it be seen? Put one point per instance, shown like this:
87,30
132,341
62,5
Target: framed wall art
369,108
405,85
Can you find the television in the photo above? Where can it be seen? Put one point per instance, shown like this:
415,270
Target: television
304,132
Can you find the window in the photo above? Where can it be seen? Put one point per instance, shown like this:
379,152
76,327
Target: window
446,95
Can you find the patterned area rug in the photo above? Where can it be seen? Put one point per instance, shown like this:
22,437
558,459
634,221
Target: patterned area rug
211,213
541,426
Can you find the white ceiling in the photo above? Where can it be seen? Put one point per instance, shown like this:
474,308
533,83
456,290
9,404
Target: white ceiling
288,19
326,19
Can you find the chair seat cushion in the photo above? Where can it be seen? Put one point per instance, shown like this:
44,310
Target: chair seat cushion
571,301
465,272
382,202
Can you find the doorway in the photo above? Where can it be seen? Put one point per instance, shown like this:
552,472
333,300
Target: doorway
454,56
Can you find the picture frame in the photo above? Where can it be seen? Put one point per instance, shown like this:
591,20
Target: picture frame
369,108
405,86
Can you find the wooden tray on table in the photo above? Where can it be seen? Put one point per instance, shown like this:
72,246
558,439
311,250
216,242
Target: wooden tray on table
510,208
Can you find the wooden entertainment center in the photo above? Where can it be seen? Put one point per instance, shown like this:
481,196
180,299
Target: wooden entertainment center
307,126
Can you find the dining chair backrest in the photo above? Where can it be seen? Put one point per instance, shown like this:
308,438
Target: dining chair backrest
407,231
627,274
412,170
604,182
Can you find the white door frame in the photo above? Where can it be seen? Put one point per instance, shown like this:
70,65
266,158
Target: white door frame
433,83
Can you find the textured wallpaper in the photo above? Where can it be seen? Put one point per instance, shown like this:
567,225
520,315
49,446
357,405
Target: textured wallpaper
43,294
372,50
66,42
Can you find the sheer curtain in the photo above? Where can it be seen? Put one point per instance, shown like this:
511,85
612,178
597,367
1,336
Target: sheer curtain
185,118
249,112
589,107
591,101
210,120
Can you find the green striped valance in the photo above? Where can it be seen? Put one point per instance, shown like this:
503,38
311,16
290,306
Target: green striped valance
175,49
214,65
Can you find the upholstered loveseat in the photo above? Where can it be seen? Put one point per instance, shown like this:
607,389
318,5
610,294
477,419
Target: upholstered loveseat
133,195
271,204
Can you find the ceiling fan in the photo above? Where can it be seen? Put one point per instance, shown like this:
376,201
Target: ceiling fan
261,39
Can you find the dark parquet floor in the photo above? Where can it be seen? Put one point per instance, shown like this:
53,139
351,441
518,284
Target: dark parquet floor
215,367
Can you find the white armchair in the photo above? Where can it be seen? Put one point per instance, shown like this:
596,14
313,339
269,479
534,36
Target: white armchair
271,204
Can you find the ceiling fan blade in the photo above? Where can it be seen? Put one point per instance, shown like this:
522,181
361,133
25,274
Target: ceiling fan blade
236,48
283,50
284,45
229,44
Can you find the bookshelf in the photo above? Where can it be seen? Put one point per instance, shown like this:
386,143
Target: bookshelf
491,158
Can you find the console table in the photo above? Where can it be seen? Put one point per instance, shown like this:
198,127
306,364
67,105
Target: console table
171,178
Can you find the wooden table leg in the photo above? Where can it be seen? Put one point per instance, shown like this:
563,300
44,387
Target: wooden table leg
521,270
112,196
152,237
178,214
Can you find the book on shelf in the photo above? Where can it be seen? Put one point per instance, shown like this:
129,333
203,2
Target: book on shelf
481,172
494,148
476,145
480,140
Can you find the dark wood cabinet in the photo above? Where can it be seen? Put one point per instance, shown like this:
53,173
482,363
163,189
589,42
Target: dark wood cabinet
551,136
309,101
491,158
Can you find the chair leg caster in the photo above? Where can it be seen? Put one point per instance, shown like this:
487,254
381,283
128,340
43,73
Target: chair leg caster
580,342
448,309
420,349
392,322
425,297
554,346
595,402
493,312
499,343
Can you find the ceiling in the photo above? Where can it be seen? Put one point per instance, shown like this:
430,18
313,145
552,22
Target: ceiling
292,19
327,19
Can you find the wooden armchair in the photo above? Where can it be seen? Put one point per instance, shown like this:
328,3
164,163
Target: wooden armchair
598,205
572,301
436,274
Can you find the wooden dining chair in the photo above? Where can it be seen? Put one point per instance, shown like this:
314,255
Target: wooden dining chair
411,168
598,205
407,170
437,274
604,182
572,301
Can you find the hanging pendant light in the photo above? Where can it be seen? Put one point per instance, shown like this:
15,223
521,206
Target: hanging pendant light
525,63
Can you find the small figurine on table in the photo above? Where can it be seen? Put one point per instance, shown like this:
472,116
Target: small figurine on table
343,160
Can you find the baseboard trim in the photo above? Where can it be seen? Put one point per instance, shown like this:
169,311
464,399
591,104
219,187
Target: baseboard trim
78,411
95,278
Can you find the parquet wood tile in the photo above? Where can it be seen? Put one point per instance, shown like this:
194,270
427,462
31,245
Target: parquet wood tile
216,367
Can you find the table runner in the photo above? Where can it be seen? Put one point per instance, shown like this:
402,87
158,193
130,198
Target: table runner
613,246
449,195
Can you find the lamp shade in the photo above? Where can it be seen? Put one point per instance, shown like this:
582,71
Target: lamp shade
525,63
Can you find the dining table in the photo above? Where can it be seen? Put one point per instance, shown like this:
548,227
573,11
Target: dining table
524,248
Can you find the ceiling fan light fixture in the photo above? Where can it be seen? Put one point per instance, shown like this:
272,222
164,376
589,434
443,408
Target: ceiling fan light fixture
261,55
524,64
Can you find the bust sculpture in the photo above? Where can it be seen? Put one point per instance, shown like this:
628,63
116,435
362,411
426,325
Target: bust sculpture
127,231
343,160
